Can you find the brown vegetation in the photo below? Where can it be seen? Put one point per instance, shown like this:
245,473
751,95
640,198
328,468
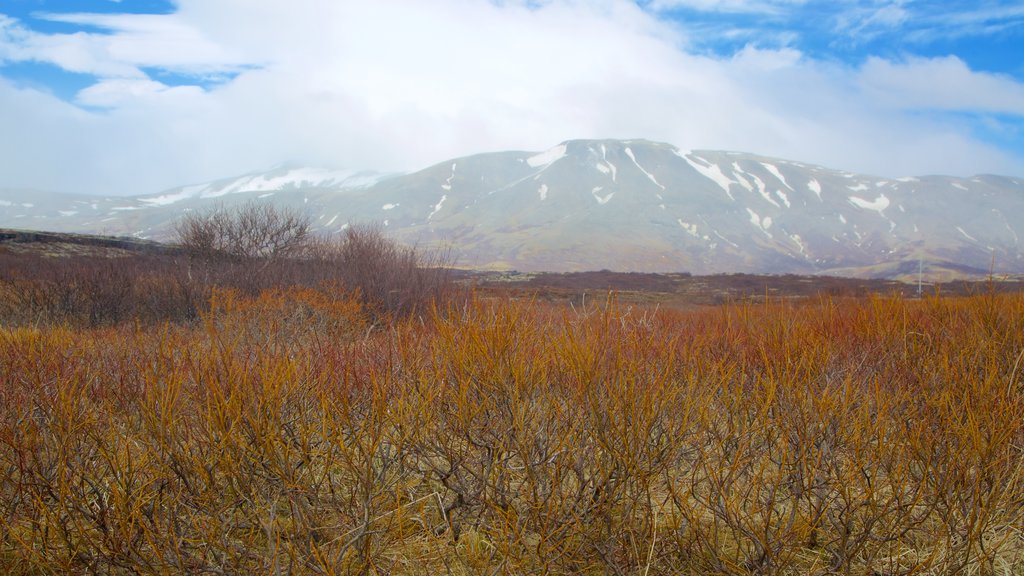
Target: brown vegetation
117,281
688,290
281,434
249,231
204,414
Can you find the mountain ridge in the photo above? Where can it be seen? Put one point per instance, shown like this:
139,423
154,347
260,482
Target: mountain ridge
626,205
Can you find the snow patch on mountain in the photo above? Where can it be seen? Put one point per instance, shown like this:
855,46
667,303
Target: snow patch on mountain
763,223
629,152
448,183
1016,239
183,194
274,181
741,180
606,167
771,168
724,239
437,207
799,242
815,186
709,171
878,204
691,229
763,191
602,199
548,157
966,235
294,178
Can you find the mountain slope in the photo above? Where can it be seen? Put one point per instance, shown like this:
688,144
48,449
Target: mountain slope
620,205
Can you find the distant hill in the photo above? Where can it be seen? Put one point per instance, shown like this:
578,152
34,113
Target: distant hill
68,244
624,205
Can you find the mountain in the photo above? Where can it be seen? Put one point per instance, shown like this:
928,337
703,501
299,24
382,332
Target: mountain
630,205
153,216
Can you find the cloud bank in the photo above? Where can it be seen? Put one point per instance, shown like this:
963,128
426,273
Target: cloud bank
221,87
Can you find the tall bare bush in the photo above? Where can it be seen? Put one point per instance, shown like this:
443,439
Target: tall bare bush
391,277
248,231
258,247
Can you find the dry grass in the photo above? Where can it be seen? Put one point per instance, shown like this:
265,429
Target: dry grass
286,434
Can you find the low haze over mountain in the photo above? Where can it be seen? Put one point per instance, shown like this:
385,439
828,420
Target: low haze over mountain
611,204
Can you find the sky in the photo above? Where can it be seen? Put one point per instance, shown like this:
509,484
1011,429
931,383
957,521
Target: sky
138,96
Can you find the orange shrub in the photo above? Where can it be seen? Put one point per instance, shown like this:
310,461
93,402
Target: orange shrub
285,433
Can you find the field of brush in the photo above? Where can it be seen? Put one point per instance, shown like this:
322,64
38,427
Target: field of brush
304,431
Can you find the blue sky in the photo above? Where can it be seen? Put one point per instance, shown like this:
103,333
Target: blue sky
135,96
987,35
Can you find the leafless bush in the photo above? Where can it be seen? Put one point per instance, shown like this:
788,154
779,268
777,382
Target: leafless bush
390,277
253,249
96,291
248,231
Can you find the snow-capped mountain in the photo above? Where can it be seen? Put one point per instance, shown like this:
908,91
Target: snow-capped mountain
153,215
612,204
278,180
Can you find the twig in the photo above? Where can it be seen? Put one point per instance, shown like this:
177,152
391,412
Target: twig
440,506
1013,373
367,523
654,540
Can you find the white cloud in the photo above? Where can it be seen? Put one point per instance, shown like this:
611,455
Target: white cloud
116,92
986,19
735,6
123,45
940,84
134,40
400,84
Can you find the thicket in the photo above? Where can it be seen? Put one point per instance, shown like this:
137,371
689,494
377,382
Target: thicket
281,435
252,230
250,249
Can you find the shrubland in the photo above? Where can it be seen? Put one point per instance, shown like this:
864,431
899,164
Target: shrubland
252,248
334,406
288,430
